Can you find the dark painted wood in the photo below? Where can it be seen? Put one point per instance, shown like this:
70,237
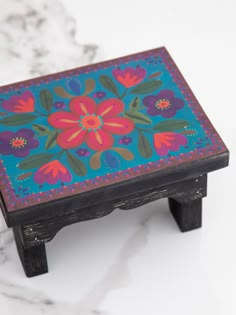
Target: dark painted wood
187,213
115,191
42,231
34,259
185,203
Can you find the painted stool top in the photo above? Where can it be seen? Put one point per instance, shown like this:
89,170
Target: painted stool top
77,130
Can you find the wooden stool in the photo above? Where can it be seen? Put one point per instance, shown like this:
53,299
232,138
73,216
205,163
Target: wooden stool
118,134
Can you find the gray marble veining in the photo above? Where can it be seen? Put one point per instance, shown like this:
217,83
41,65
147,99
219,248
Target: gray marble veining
6,239
29,301
37,38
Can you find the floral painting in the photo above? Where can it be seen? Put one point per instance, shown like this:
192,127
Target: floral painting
96,123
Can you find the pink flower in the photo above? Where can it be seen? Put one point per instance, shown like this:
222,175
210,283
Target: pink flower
168,141
52,172
129,76
23,103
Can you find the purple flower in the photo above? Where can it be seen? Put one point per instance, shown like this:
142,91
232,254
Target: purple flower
125,140
59,105
99,94
17,143
82,152
164,104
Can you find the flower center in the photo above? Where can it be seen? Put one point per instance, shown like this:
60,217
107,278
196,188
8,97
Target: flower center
163,104
91,122
18,142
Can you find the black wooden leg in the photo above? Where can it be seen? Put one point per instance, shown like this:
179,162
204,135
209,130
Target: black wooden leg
187,213
33,259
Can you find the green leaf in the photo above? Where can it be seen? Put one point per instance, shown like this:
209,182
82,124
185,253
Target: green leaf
138,117
146,87
18,120
144,146
134,104
41,129
51,140
46,100
36,160
60,91
171,125
77,165
108,84
125,153
95,160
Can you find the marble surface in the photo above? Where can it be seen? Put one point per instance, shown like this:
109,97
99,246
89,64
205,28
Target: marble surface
39,37
130,262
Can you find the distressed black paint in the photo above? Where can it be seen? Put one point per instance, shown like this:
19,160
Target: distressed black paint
185,201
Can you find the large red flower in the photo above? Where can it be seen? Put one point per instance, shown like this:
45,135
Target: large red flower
90,122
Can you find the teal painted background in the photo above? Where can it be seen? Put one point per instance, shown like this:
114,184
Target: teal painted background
110,162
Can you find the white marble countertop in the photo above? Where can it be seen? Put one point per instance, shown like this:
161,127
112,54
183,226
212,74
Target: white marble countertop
134,262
